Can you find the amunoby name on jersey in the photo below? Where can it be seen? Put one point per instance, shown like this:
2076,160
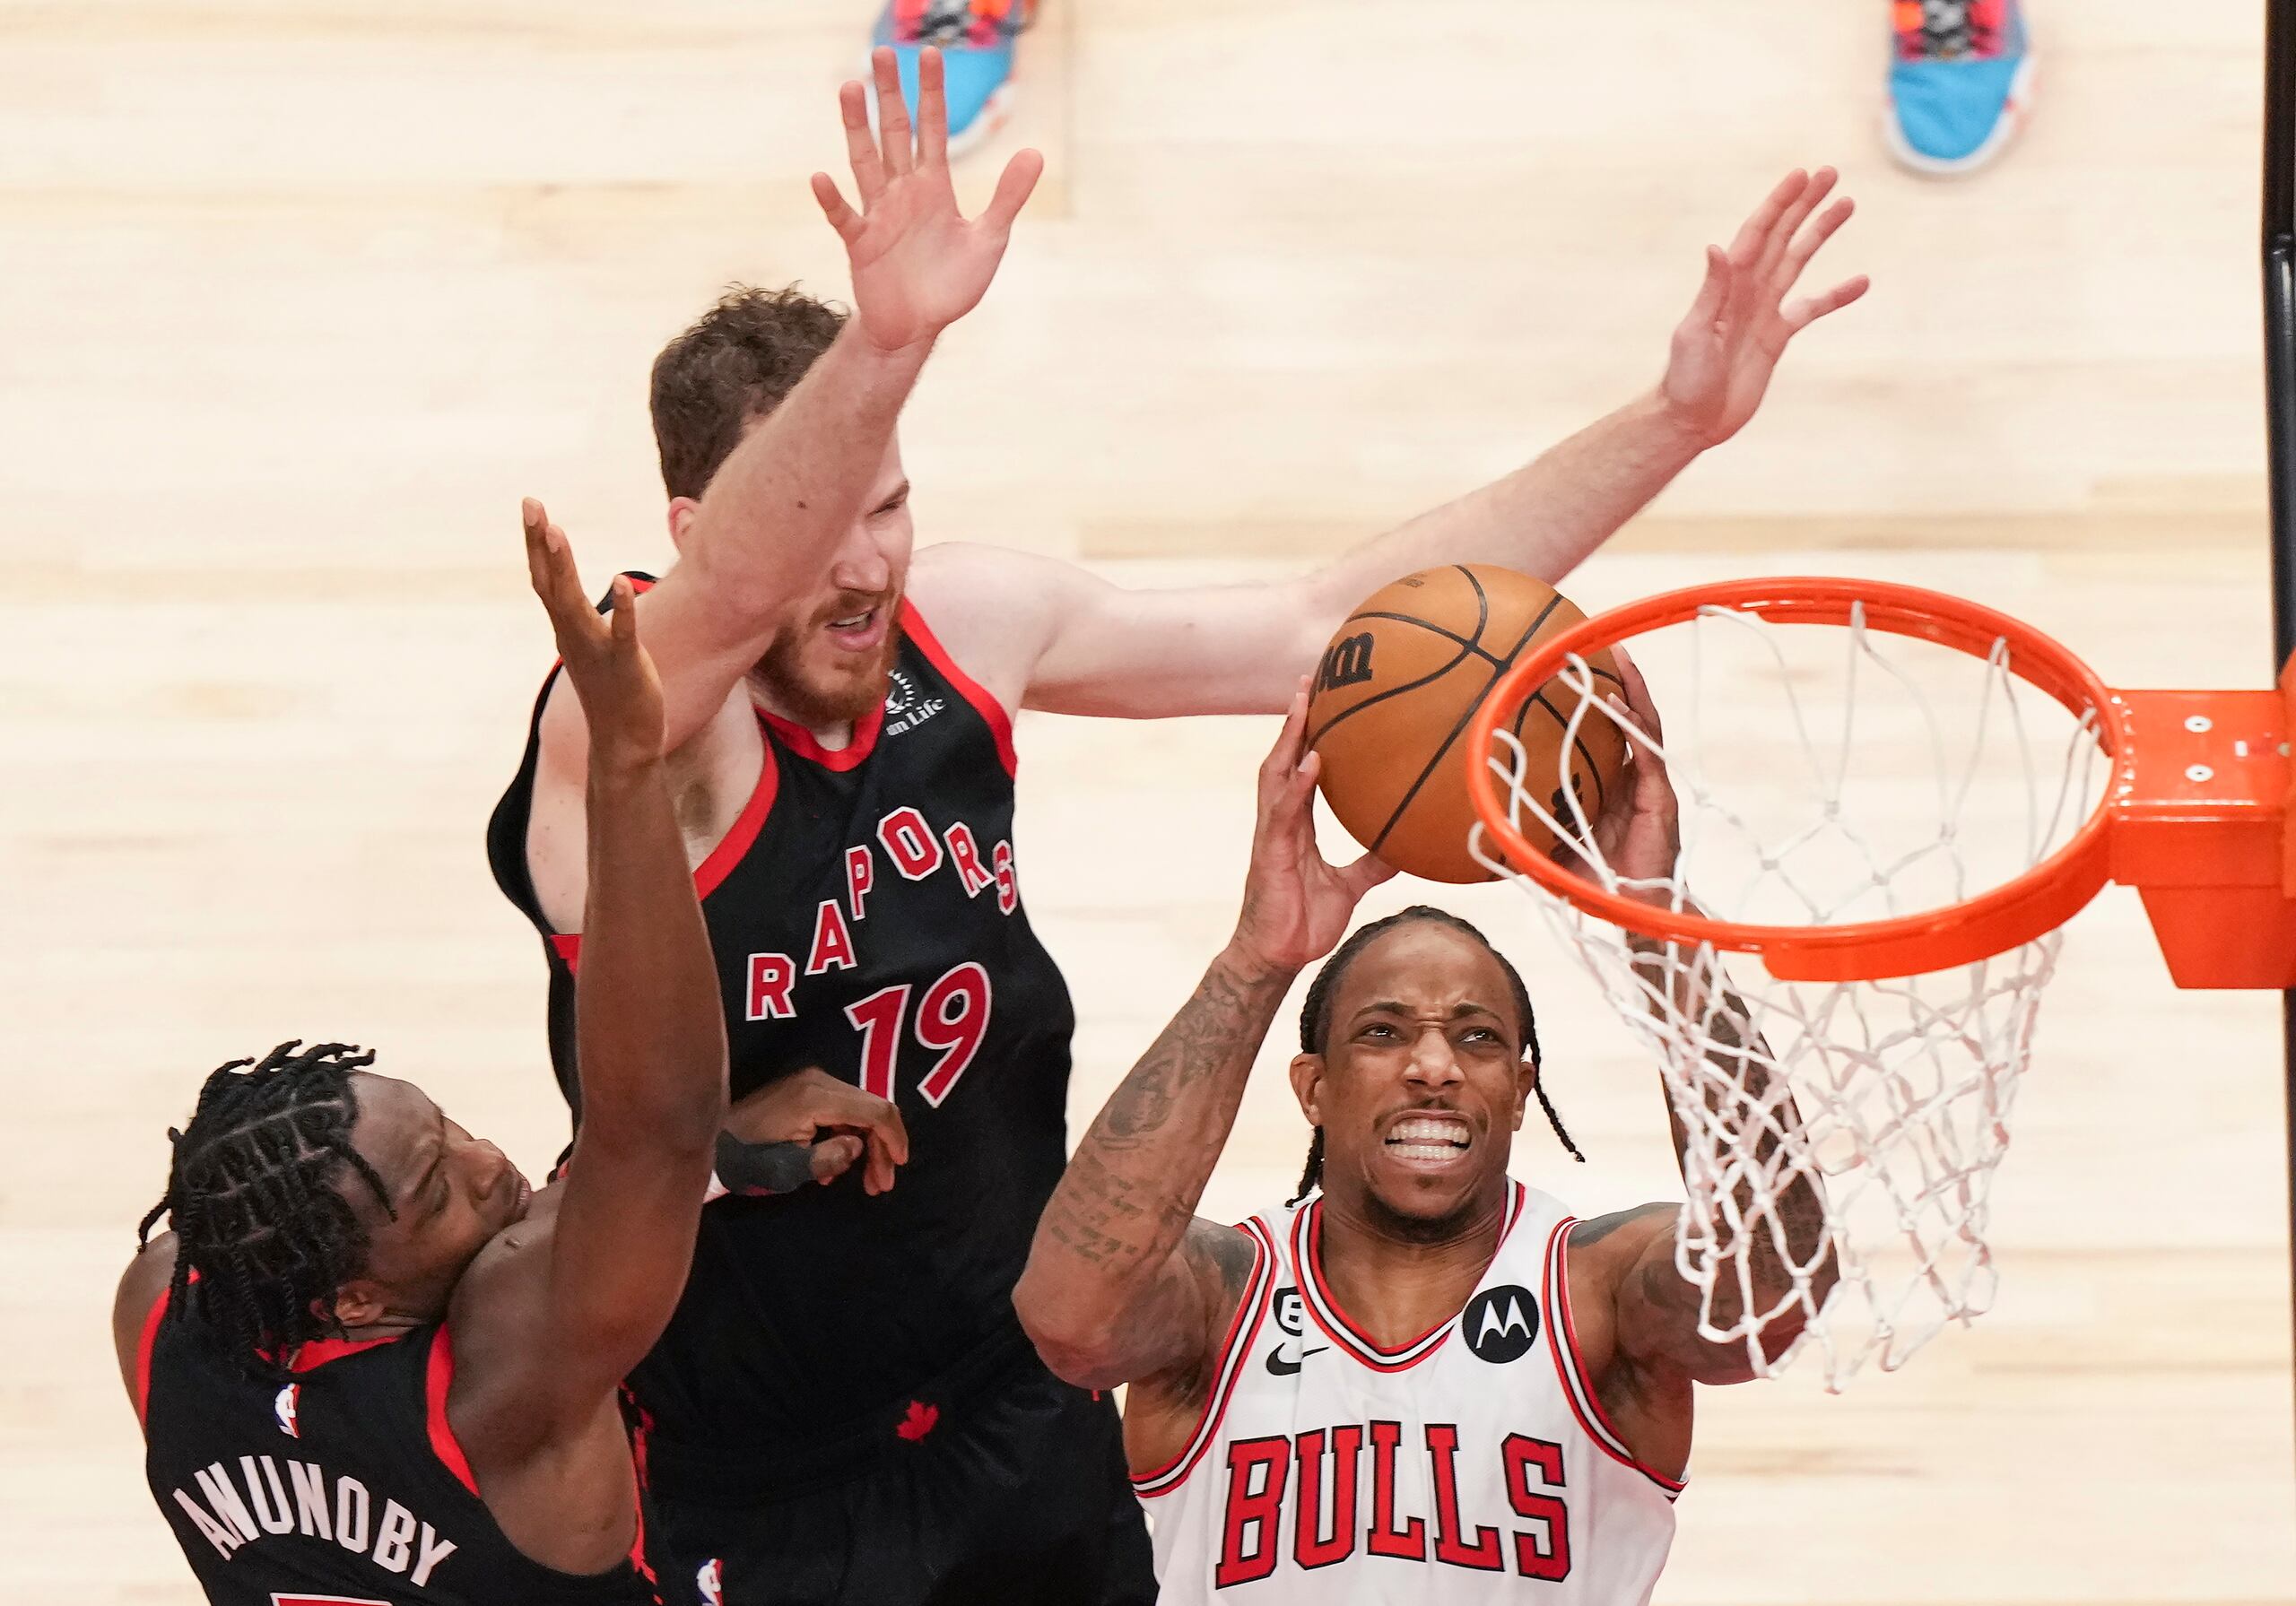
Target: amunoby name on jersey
259,1497
1327,1467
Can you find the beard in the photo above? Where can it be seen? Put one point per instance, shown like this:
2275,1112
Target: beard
817,683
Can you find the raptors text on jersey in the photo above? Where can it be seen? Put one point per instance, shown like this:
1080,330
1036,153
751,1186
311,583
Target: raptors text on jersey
865,916
1471,1464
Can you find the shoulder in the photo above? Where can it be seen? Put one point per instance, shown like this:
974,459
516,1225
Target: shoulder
136,1301
1626,1231
1225,1257
966,588
1602,1256
991,609
496,1316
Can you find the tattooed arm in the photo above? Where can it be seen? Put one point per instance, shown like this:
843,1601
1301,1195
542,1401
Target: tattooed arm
1647,1339
1655,1308
1123,1281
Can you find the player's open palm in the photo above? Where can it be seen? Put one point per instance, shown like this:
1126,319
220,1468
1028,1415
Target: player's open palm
613,675
1296,906
1729,346
918,264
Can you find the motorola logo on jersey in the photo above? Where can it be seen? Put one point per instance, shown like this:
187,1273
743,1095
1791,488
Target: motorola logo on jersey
1500,1324
283,1408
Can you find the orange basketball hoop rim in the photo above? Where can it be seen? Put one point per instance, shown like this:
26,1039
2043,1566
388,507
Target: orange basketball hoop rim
2196,814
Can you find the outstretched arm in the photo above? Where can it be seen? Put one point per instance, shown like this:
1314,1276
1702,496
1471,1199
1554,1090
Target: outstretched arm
1123,1281
545,1338
771,521
1066,641
1655,1312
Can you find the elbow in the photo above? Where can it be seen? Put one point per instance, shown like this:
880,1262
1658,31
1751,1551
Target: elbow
1076,1346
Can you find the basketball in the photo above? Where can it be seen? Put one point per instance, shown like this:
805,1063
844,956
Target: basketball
1394,691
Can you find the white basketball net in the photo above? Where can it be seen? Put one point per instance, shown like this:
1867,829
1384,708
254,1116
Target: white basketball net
1826,775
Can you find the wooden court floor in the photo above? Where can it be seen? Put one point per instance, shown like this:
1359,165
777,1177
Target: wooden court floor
297,297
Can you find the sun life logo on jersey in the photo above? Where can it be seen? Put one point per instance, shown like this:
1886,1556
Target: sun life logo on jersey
283,1406
1500,1324
905,707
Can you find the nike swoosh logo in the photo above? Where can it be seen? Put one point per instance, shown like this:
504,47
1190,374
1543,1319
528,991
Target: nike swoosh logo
1280,1367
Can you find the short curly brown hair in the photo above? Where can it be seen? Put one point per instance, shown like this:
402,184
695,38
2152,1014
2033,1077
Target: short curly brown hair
733,365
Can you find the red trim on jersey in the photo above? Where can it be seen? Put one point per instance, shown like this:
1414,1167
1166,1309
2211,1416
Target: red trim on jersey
743,835
1306,1249
438,1377
991,711
805,745
1232,1358
738,839
1577,1388
311,1356
144,1354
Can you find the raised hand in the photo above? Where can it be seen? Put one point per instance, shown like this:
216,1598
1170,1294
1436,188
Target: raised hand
613,676
917,265
1726,350
1296,906
1638,834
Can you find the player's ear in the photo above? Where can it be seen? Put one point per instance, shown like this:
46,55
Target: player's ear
356,1304
682,511
1527,1081
1307,1084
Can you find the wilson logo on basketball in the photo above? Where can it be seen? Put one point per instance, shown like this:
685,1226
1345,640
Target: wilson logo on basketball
1346,662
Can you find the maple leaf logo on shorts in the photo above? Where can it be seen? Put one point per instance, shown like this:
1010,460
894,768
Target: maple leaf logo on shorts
921,1420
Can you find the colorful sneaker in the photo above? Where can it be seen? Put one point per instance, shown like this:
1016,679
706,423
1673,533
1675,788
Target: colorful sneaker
975,41
1961,84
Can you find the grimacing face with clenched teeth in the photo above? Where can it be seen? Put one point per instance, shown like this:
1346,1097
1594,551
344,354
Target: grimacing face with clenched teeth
1422,1081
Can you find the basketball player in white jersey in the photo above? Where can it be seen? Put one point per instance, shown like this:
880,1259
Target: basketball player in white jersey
1421,1381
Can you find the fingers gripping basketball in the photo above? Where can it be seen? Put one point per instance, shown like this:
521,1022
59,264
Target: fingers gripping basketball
1394,694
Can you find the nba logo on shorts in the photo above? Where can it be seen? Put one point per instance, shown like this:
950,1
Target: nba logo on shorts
283,1408
710,1579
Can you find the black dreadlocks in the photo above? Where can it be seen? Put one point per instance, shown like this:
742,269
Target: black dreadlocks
1315,1018
252,1201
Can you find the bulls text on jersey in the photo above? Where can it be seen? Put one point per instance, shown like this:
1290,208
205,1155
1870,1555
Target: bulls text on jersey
1466,1465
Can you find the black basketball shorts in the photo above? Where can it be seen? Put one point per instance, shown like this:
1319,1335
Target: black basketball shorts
1018,1497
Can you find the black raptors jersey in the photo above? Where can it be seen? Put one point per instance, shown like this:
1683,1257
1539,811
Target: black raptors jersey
866,920
340,1485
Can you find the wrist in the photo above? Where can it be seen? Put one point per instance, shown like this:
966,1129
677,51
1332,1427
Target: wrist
1677,433
889,360
1247,966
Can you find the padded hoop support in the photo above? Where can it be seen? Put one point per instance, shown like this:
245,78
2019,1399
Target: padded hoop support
2197,818
2202,796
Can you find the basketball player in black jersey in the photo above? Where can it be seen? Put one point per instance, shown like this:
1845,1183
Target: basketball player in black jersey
373,1363
843,1408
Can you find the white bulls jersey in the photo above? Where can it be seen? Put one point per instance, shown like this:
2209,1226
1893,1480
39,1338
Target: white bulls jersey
1471,1464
